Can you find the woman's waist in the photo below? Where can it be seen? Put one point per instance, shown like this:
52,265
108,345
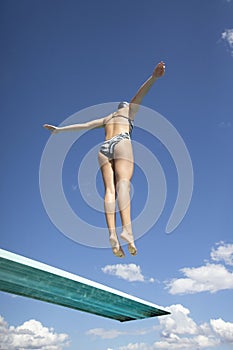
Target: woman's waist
124,134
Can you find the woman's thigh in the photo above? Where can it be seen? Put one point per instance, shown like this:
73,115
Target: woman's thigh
107,171
123,160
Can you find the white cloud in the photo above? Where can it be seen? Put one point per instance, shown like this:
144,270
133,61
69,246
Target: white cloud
223,329
178,322
129,272
31,335
207,278
104,334
136,346
197,342
179,331
227,36
114,333
224,252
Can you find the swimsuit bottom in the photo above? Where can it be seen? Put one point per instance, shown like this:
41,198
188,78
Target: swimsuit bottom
108,146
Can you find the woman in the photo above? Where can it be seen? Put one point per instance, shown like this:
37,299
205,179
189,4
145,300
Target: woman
116,161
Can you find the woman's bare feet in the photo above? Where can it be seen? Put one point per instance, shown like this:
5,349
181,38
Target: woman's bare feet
128,237
116,248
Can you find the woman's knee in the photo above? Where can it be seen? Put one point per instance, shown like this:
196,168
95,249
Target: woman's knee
123,185
110,194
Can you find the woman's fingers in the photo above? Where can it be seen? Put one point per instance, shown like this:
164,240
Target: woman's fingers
51,128
159,69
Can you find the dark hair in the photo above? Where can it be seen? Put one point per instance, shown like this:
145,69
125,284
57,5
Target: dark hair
123,104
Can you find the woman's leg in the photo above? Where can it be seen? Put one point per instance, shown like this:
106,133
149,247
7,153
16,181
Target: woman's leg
123,167
107,170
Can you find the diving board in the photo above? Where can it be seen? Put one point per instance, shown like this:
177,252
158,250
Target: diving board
22,276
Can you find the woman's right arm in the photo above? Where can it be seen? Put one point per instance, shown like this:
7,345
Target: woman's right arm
158,72
98,123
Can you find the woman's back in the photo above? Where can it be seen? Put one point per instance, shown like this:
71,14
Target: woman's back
118,123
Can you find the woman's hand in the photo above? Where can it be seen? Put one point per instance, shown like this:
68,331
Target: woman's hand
159,70
52,128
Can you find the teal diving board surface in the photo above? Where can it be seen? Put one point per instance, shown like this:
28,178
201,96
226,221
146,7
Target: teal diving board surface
22,276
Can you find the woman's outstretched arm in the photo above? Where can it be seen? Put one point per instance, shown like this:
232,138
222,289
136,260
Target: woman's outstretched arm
98,123
137,99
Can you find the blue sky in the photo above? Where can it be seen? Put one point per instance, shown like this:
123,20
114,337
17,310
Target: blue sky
59,57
